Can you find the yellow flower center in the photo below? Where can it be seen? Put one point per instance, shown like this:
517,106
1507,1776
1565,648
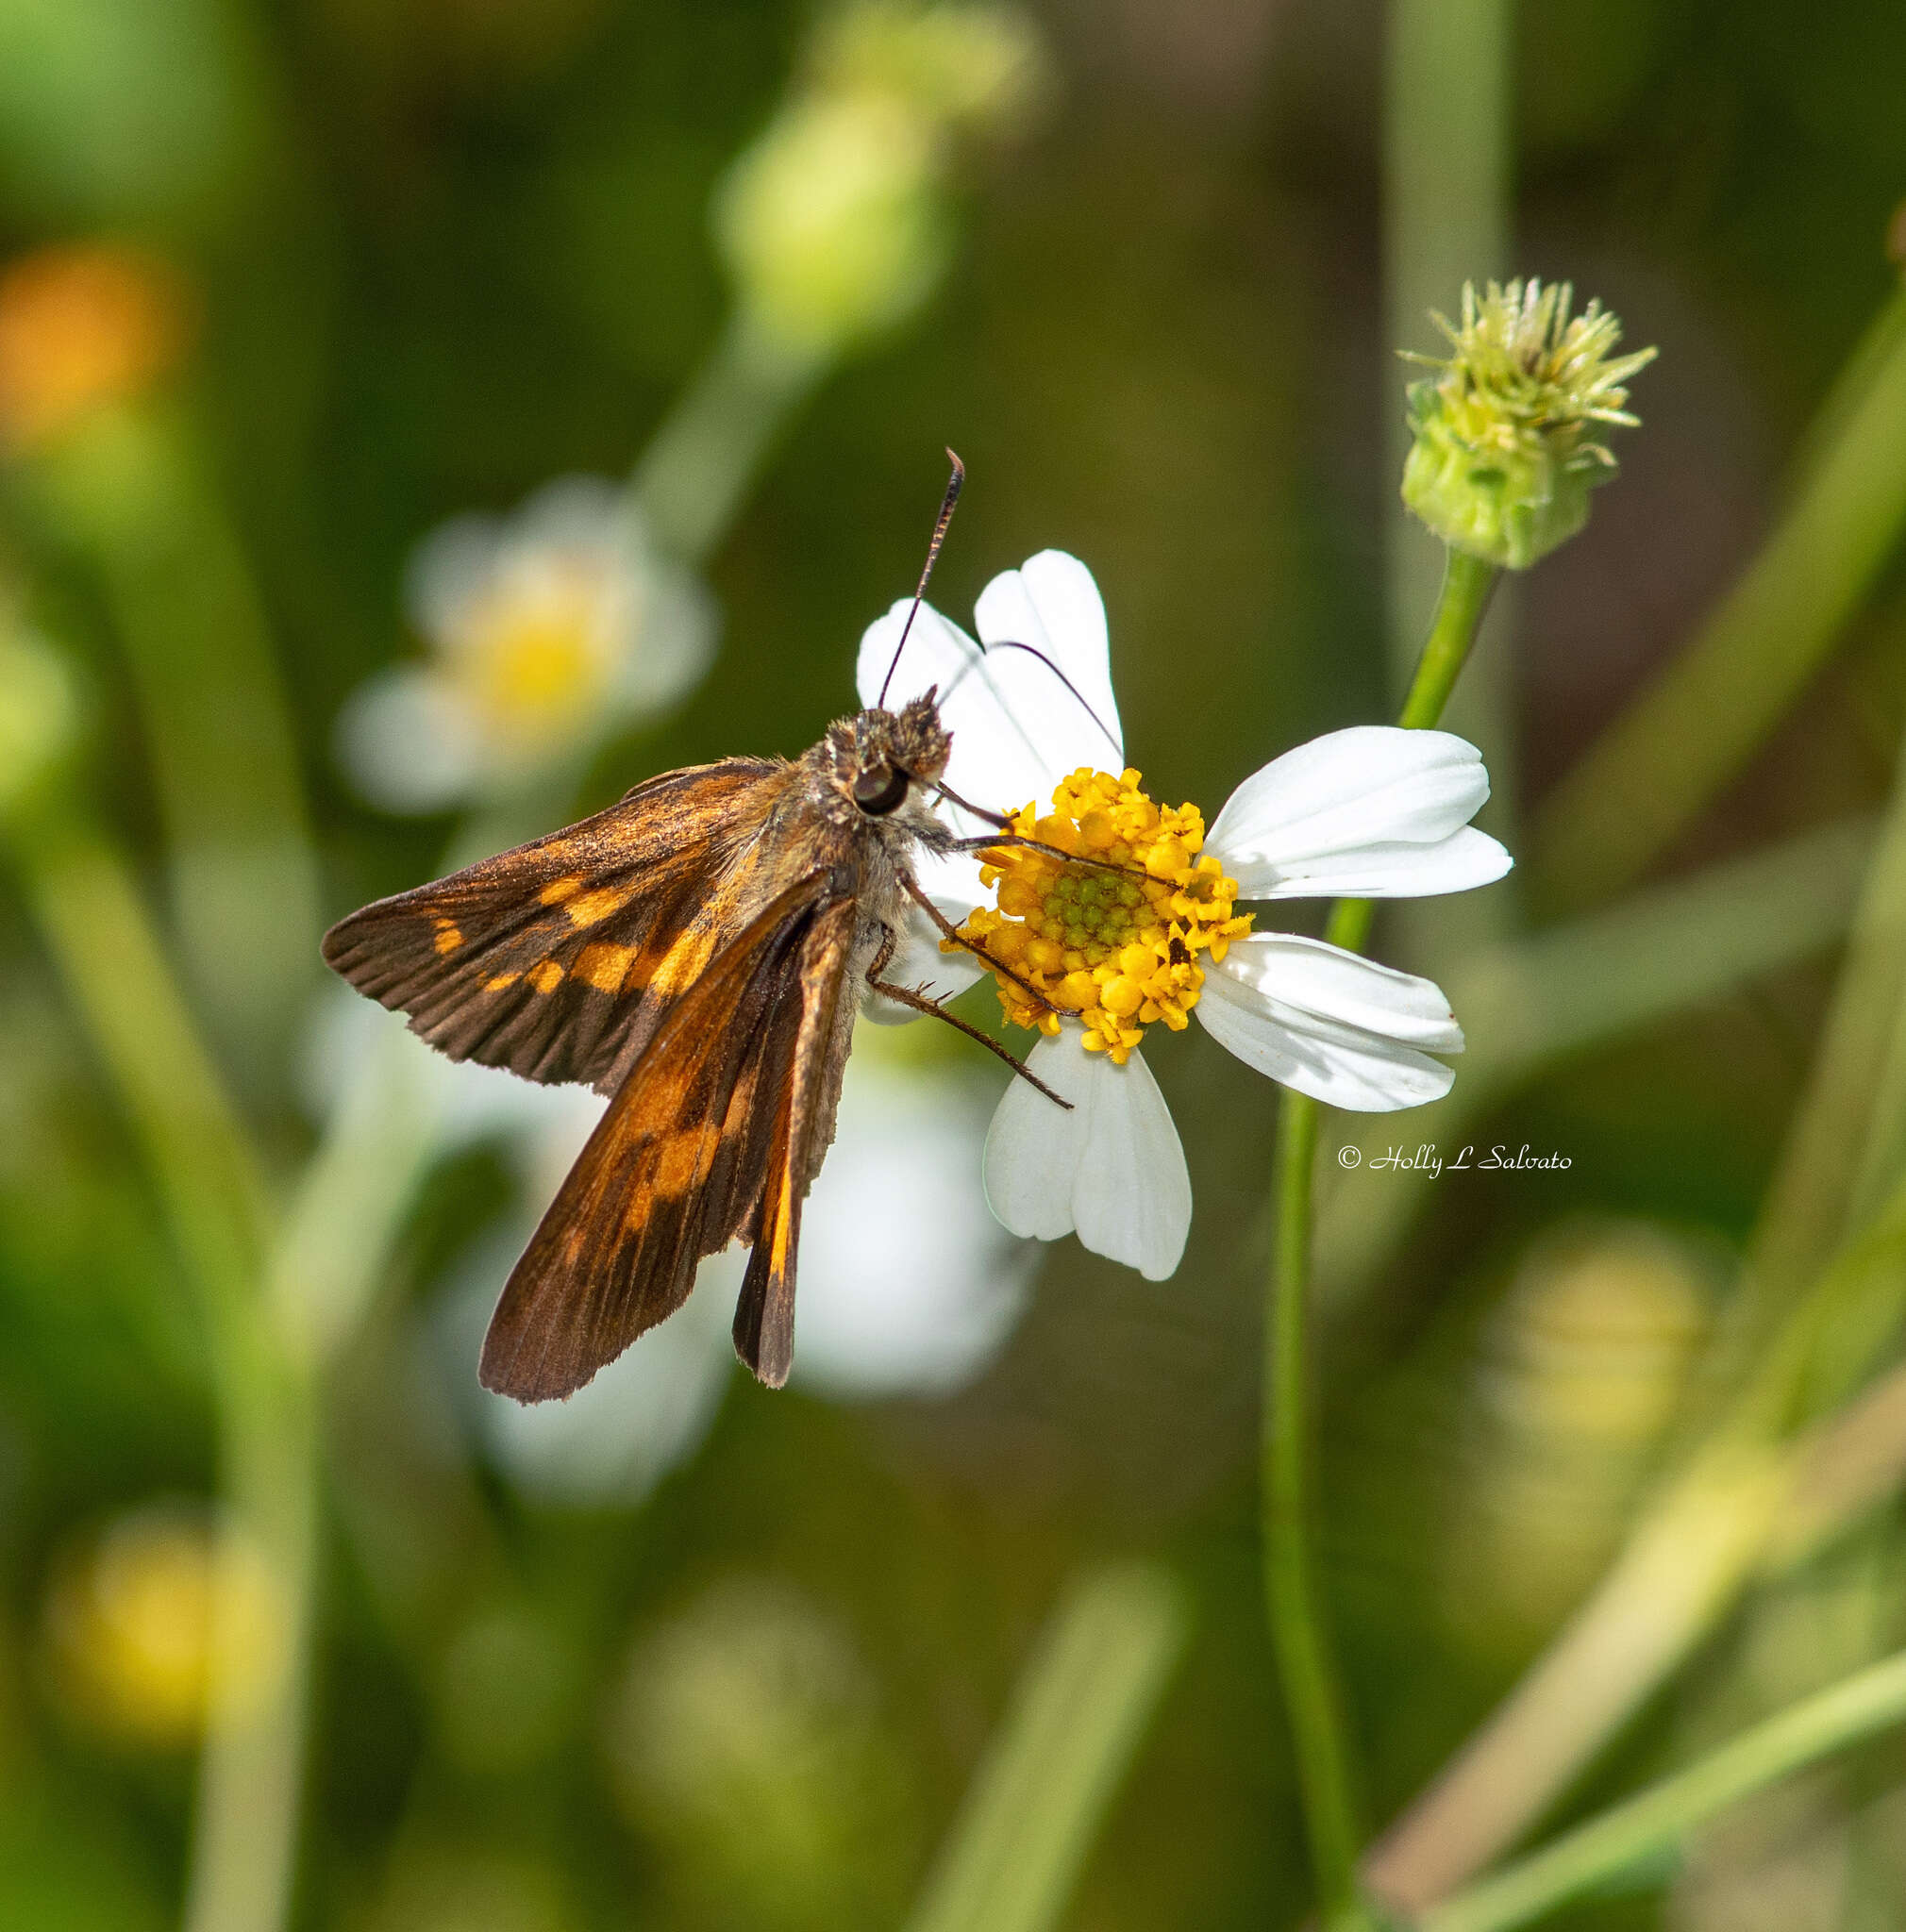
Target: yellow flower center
537,665
1113,932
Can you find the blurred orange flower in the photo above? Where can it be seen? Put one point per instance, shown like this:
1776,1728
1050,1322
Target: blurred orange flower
82,325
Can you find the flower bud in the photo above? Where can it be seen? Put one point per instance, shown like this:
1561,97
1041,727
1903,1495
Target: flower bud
832,222
39,714
81,328
1508,434
958,65
835,222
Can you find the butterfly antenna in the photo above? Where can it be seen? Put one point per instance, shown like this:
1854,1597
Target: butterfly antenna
945,517
1033,651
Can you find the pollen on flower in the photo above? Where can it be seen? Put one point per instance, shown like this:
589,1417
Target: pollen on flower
1114,932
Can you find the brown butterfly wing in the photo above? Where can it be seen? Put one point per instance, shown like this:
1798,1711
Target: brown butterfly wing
688,1155
803,1130
559,960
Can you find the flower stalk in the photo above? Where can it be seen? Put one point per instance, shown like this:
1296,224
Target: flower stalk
96,928
1659,1819
1299,1634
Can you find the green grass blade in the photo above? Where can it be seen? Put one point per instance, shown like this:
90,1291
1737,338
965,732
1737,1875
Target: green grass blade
1048,1779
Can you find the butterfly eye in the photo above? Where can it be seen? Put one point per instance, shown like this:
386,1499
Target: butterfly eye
879,790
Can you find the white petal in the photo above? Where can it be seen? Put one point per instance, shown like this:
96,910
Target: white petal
1464,859
1051,604
1369,786
919,965
1338,1027
675,642
1112,1168
407,743
585,512
937,652
447,571
1017,729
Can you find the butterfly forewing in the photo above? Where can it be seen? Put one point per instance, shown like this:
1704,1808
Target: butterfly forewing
559,960
685,1160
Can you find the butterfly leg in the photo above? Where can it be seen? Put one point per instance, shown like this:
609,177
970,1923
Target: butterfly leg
999,819
979,811
948,930
921,1004
1051,851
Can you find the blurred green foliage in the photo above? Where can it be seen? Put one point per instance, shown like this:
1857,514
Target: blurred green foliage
434,253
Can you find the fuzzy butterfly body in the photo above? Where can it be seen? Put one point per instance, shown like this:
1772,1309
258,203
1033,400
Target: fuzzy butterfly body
698,952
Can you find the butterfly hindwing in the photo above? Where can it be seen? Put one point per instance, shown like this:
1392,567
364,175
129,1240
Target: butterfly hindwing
803,1127
687,1157
559,960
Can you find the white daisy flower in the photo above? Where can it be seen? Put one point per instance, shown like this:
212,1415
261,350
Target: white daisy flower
1146,929
547,630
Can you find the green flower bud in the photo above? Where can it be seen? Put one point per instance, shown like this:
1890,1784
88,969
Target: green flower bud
835,222
1508,434
832,222
39,714
971,66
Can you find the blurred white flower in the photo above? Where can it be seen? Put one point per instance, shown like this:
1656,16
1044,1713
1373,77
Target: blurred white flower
1149,933
909,1287
548,629
644,1415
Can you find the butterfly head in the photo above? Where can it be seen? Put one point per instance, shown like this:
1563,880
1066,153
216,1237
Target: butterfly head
882,760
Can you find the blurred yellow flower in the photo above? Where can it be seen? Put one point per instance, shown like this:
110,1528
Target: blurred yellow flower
82,325
1582,1367
548,630
131,1621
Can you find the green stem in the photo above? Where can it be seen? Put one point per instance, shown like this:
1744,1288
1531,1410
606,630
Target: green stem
96,926
1657,1820
251,1773
1298,1634
703,454
132,492
1468,584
